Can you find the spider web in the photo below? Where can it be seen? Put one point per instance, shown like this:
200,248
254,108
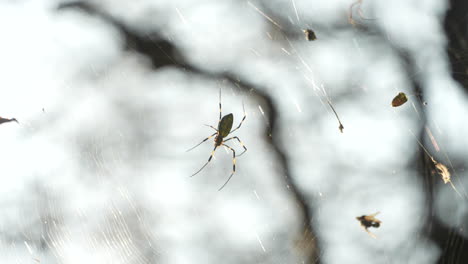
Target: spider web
96,170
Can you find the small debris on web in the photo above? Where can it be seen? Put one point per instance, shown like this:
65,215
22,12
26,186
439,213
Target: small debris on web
399,99
340,127
309,34
369,221
6,120
443,171
359,10
350,14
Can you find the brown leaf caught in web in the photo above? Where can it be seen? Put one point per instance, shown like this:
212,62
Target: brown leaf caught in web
443,171
399,99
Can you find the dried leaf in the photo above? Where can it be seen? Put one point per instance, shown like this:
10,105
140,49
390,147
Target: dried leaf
443,171
399,99
441,168
309,34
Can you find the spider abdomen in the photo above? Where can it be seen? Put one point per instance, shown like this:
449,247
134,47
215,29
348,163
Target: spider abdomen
225,126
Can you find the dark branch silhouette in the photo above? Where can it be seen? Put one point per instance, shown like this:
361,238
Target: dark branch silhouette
6,120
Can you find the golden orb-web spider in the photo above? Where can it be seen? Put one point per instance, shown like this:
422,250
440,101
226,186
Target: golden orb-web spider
224,129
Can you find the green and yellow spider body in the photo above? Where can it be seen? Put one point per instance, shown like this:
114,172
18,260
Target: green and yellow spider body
225,125
223,130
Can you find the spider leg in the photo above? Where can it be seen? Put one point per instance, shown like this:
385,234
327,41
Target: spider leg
233,165
242,144
211,127
209,159
201,142
242,121
219,104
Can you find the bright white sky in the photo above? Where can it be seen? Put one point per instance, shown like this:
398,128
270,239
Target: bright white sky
96,171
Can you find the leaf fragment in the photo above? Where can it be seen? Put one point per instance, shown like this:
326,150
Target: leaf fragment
443,171
399,99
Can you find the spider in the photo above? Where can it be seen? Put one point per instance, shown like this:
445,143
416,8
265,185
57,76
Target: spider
223,130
